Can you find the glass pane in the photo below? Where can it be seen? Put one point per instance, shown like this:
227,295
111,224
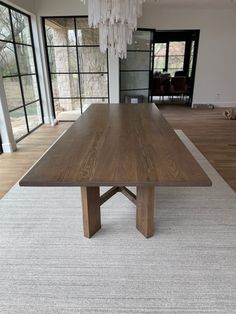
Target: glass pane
34,115
85,34
5,26
92,60
65,85
159,63
67,109
18,123
160,50
134,80
62,59
26,60
13,92
136,61
7,59
141,41
88,102
175,63
21,28
93,85
177,48
30,88
60,31
126,97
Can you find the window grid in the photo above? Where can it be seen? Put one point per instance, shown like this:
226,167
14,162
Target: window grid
18,73
149,51
79,73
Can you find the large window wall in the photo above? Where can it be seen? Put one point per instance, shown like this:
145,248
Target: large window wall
78,70
19,71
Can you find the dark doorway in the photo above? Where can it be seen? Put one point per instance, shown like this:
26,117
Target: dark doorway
160,67
174,66
1,151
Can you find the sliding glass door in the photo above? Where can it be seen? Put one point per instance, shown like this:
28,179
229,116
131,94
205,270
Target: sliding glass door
136,70
78,70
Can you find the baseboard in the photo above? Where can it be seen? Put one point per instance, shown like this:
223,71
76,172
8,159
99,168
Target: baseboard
49,120
215,104
8,148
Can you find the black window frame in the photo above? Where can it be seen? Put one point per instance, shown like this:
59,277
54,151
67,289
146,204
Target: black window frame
149,71
76,46
19,75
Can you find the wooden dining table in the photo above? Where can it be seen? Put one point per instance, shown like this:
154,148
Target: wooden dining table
118,146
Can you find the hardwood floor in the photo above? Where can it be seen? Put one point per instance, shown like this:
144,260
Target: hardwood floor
207,129
214,136
30,149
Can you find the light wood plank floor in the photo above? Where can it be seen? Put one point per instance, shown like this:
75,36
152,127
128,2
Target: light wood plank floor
30,149
214,137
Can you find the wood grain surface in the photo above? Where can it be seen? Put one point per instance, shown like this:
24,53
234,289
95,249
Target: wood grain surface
118,144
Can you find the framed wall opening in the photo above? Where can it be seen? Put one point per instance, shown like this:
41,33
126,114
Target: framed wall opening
174,66
160,67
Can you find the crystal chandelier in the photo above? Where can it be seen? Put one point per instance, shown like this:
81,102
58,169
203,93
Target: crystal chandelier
116,21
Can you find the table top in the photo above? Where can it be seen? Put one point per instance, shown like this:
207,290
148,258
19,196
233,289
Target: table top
118,145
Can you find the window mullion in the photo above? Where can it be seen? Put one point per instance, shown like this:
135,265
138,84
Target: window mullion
78,67
18,70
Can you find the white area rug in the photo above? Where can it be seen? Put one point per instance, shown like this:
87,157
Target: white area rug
189,266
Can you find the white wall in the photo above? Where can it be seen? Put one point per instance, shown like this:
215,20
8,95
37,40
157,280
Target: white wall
61,7
28,5
216,68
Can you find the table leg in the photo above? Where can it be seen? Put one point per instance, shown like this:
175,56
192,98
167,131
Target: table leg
91,210
145,210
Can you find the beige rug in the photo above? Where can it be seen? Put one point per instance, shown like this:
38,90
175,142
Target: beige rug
189,266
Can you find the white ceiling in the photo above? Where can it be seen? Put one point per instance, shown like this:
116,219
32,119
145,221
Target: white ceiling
194,3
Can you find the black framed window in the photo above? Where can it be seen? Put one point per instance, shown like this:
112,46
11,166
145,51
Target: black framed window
19,70
136,69
78,70
169,57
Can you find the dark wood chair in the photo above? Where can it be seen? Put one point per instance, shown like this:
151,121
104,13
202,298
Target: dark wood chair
157,87
179,86
179,73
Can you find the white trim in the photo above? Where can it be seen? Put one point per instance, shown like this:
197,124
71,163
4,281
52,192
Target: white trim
7,137
225,104
8,148
114,84
42,70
